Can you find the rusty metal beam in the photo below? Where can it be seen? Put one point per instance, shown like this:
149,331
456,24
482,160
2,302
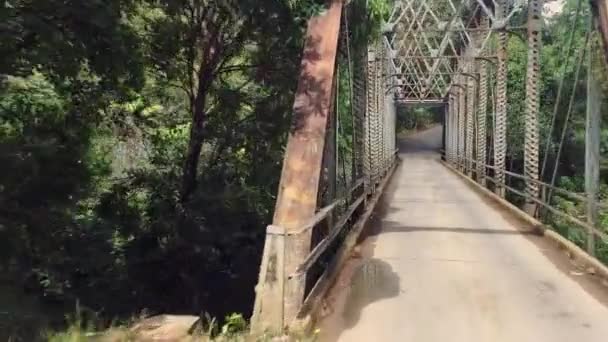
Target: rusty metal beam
599,9
278,298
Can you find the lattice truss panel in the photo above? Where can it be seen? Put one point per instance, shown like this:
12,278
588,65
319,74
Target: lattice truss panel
431,41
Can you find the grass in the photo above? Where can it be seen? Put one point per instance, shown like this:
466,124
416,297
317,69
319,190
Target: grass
235,329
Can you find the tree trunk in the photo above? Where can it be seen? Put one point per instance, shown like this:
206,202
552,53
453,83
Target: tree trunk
211,56
195,145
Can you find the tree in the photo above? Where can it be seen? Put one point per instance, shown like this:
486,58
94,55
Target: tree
111,113
64,38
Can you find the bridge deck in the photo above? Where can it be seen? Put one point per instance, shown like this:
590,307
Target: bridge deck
442,263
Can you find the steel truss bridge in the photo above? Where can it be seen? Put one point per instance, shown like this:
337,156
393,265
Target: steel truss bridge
447,207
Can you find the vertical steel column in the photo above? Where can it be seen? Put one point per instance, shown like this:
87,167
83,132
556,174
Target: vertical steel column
386,105
454,127
370,117
599,8
278,296
382,107
379,105
462,112
456,112
393,127
456,122
500,133
592,149
481,67
457,125
444,132
388,94
448,123
531,142
451,130
359,97
470,82
378,114
328,183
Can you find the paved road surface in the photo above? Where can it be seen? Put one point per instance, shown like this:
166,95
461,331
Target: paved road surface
442,263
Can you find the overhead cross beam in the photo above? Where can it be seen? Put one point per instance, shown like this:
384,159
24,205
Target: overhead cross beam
429,40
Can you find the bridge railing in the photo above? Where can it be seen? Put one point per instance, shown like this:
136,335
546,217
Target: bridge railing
532,183
340,152
545,206
335,239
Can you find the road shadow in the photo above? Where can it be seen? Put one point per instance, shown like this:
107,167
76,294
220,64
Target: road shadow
362,282
396,227
373,281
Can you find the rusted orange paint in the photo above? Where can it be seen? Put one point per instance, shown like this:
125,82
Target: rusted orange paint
296,201
299,185
601,13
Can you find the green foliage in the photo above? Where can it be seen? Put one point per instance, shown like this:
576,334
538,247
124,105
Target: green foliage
378,11
29,105
412,118
366,20
96,113
61,38
570,172
235,324
304,9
